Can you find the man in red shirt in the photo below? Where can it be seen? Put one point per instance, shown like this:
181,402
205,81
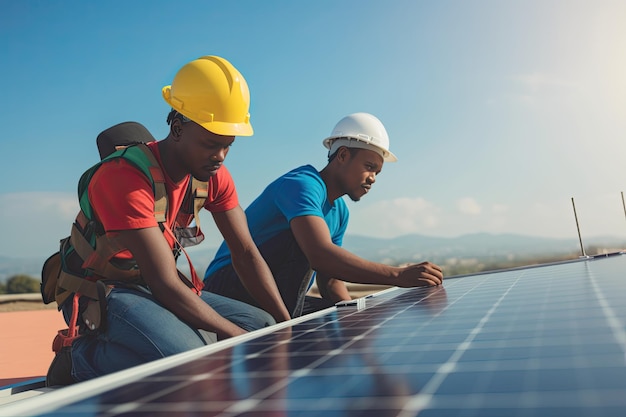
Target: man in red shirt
165,314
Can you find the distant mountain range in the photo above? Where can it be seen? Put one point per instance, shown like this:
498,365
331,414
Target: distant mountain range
408,248
412,248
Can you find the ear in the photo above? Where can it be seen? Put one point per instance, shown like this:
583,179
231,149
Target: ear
176,128
343,154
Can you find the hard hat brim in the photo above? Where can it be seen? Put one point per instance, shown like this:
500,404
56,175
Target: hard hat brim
387,155
229,129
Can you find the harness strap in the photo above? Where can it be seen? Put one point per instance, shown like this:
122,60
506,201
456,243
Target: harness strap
160,193
75,284
200,191
154,170
142,157
99,260
195,283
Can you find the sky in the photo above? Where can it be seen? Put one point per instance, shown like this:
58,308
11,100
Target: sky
500,112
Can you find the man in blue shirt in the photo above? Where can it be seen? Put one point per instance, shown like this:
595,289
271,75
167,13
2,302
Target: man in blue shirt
299,220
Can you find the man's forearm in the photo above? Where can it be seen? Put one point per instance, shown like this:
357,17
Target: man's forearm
337,262
332,289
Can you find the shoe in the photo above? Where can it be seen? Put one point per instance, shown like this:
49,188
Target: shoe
60,371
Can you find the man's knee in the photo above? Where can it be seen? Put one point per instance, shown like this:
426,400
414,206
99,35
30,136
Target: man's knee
254,319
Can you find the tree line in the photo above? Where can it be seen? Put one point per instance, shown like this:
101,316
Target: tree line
20,284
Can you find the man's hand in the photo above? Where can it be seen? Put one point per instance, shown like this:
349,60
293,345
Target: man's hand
424,274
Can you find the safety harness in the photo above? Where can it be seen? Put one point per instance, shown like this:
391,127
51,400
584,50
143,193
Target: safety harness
86,265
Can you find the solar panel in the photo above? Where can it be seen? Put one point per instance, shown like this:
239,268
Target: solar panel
537,341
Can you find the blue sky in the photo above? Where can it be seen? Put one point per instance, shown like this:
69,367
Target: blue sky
499,111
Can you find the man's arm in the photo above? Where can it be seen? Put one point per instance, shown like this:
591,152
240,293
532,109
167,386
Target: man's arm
331,288
313,237
158,269
247,261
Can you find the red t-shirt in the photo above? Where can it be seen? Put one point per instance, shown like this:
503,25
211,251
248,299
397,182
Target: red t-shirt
122,196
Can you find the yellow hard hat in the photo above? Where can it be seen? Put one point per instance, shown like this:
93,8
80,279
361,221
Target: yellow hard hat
211,92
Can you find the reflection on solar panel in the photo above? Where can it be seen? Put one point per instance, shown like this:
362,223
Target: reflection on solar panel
540,341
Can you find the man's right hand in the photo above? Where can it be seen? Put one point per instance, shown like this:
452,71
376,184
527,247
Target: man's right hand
425,274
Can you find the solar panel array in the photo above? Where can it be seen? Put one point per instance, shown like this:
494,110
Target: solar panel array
538,341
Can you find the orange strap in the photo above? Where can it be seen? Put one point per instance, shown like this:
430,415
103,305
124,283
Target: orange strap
67,336
196,283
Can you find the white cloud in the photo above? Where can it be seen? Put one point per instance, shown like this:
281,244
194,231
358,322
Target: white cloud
395,217
468,205
499,208
29,204
34,222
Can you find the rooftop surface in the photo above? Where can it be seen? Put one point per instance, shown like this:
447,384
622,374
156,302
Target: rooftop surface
26,343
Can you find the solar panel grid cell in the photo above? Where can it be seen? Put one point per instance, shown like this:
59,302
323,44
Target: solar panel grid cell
541,341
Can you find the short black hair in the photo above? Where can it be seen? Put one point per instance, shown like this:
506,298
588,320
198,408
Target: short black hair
173,114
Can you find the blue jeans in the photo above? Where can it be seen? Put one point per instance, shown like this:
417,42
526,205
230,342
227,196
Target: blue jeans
292,273
140,330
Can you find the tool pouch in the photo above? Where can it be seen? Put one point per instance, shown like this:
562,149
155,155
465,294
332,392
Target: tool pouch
94,315
49,277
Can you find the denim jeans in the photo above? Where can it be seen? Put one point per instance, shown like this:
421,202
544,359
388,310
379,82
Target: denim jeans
140,330
291,270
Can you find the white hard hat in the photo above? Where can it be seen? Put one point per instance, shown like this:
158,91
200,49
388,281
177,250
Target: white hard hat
360,130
